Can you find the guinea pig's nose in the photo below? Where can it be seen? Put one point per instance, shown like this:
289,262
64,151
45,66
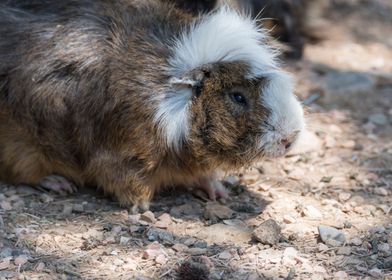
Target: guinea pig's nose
286,142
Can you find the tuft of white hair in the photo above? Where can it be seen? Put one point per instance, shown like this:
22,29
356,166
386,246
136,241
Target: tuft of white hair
222,36
225,35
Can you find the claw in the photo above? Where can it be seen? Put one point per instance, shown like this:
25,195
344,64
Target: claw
58,184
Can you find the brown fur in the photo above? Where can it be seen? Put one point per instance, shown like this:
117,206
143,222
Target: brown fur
76,99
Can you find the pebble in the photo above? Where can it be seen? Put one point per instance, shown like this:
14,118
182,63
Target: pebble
5,205
161,259
5,263
312,212
21,260
67,209
39,267
268,233
290,255
381,191
356,241
179,247
166,237
148,217
288,219
348,144
78,208
340,275
196,251
331,236
124,240
377,229
376,273
344,196
215,212
7,274
118,262
384,247
346,251
165,217
378,119
225,255
322,247
134,219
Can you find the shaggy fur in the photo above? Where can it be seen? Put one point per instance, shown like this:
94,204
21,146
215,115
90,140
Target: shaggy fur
126,95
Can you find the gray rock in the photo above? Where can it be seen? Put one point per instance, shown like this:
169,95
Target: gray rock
331,236
163,236
378,119
7,274
268,232
348,82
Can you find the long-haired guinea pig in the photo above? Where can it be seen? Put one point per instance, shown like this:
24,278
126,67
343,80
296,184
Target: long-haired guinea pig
134,96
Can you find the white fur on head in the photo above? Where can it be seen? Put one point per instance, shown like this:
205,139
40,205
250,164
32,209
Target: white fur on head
224,35
286,119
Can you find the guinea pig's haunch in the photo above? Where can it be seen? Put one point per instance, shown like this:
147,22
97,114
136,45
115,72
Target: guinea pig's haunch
135,96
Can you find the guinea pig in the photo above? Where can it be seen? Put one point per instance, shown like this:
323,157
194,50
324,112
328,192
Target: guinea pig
135,96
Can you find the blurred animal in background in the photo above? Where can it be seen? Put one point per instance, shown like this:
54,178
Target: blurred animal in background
292,22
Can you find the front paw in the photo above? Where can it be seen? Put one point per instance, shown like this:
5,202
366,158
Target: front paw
58,184
213,188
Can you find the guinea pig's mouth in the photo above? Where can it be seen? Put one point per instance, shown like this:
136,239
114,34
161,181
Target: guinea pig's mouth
274,146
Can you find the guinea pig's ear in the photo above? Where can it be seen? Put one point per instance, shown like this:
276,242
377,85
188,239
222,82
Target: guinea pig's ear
194,80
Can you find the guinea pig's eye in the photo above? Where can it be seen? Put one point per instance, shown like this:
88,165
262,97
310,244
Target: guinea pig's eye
238,98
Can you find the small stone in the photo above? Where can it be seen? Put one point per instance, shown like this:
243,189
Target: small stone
381,191
196,251
5,263
225,255
384,247
215,212
148,217
134,219
21,260
346,251
376,273
161,224
179,247
67,209
356,241
330,142
312,212
377,229
166,237
190,241
7,274
39,267
5,205
200,244
165,217
340,275
322,247
344,196
290,255
78,208
161,259
288,219
264,187
116,229
118,262
268,232
348,144
378,119
331,236
124,240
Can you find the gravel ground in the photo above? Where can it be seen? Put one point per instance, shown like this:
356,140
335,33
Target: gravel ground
322,212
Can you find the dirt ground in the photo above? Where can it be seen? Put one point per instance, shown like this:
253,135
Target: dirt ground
340,175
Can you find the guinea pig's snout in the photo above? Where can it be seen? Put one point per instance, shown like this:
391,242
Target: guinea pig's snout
288,141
